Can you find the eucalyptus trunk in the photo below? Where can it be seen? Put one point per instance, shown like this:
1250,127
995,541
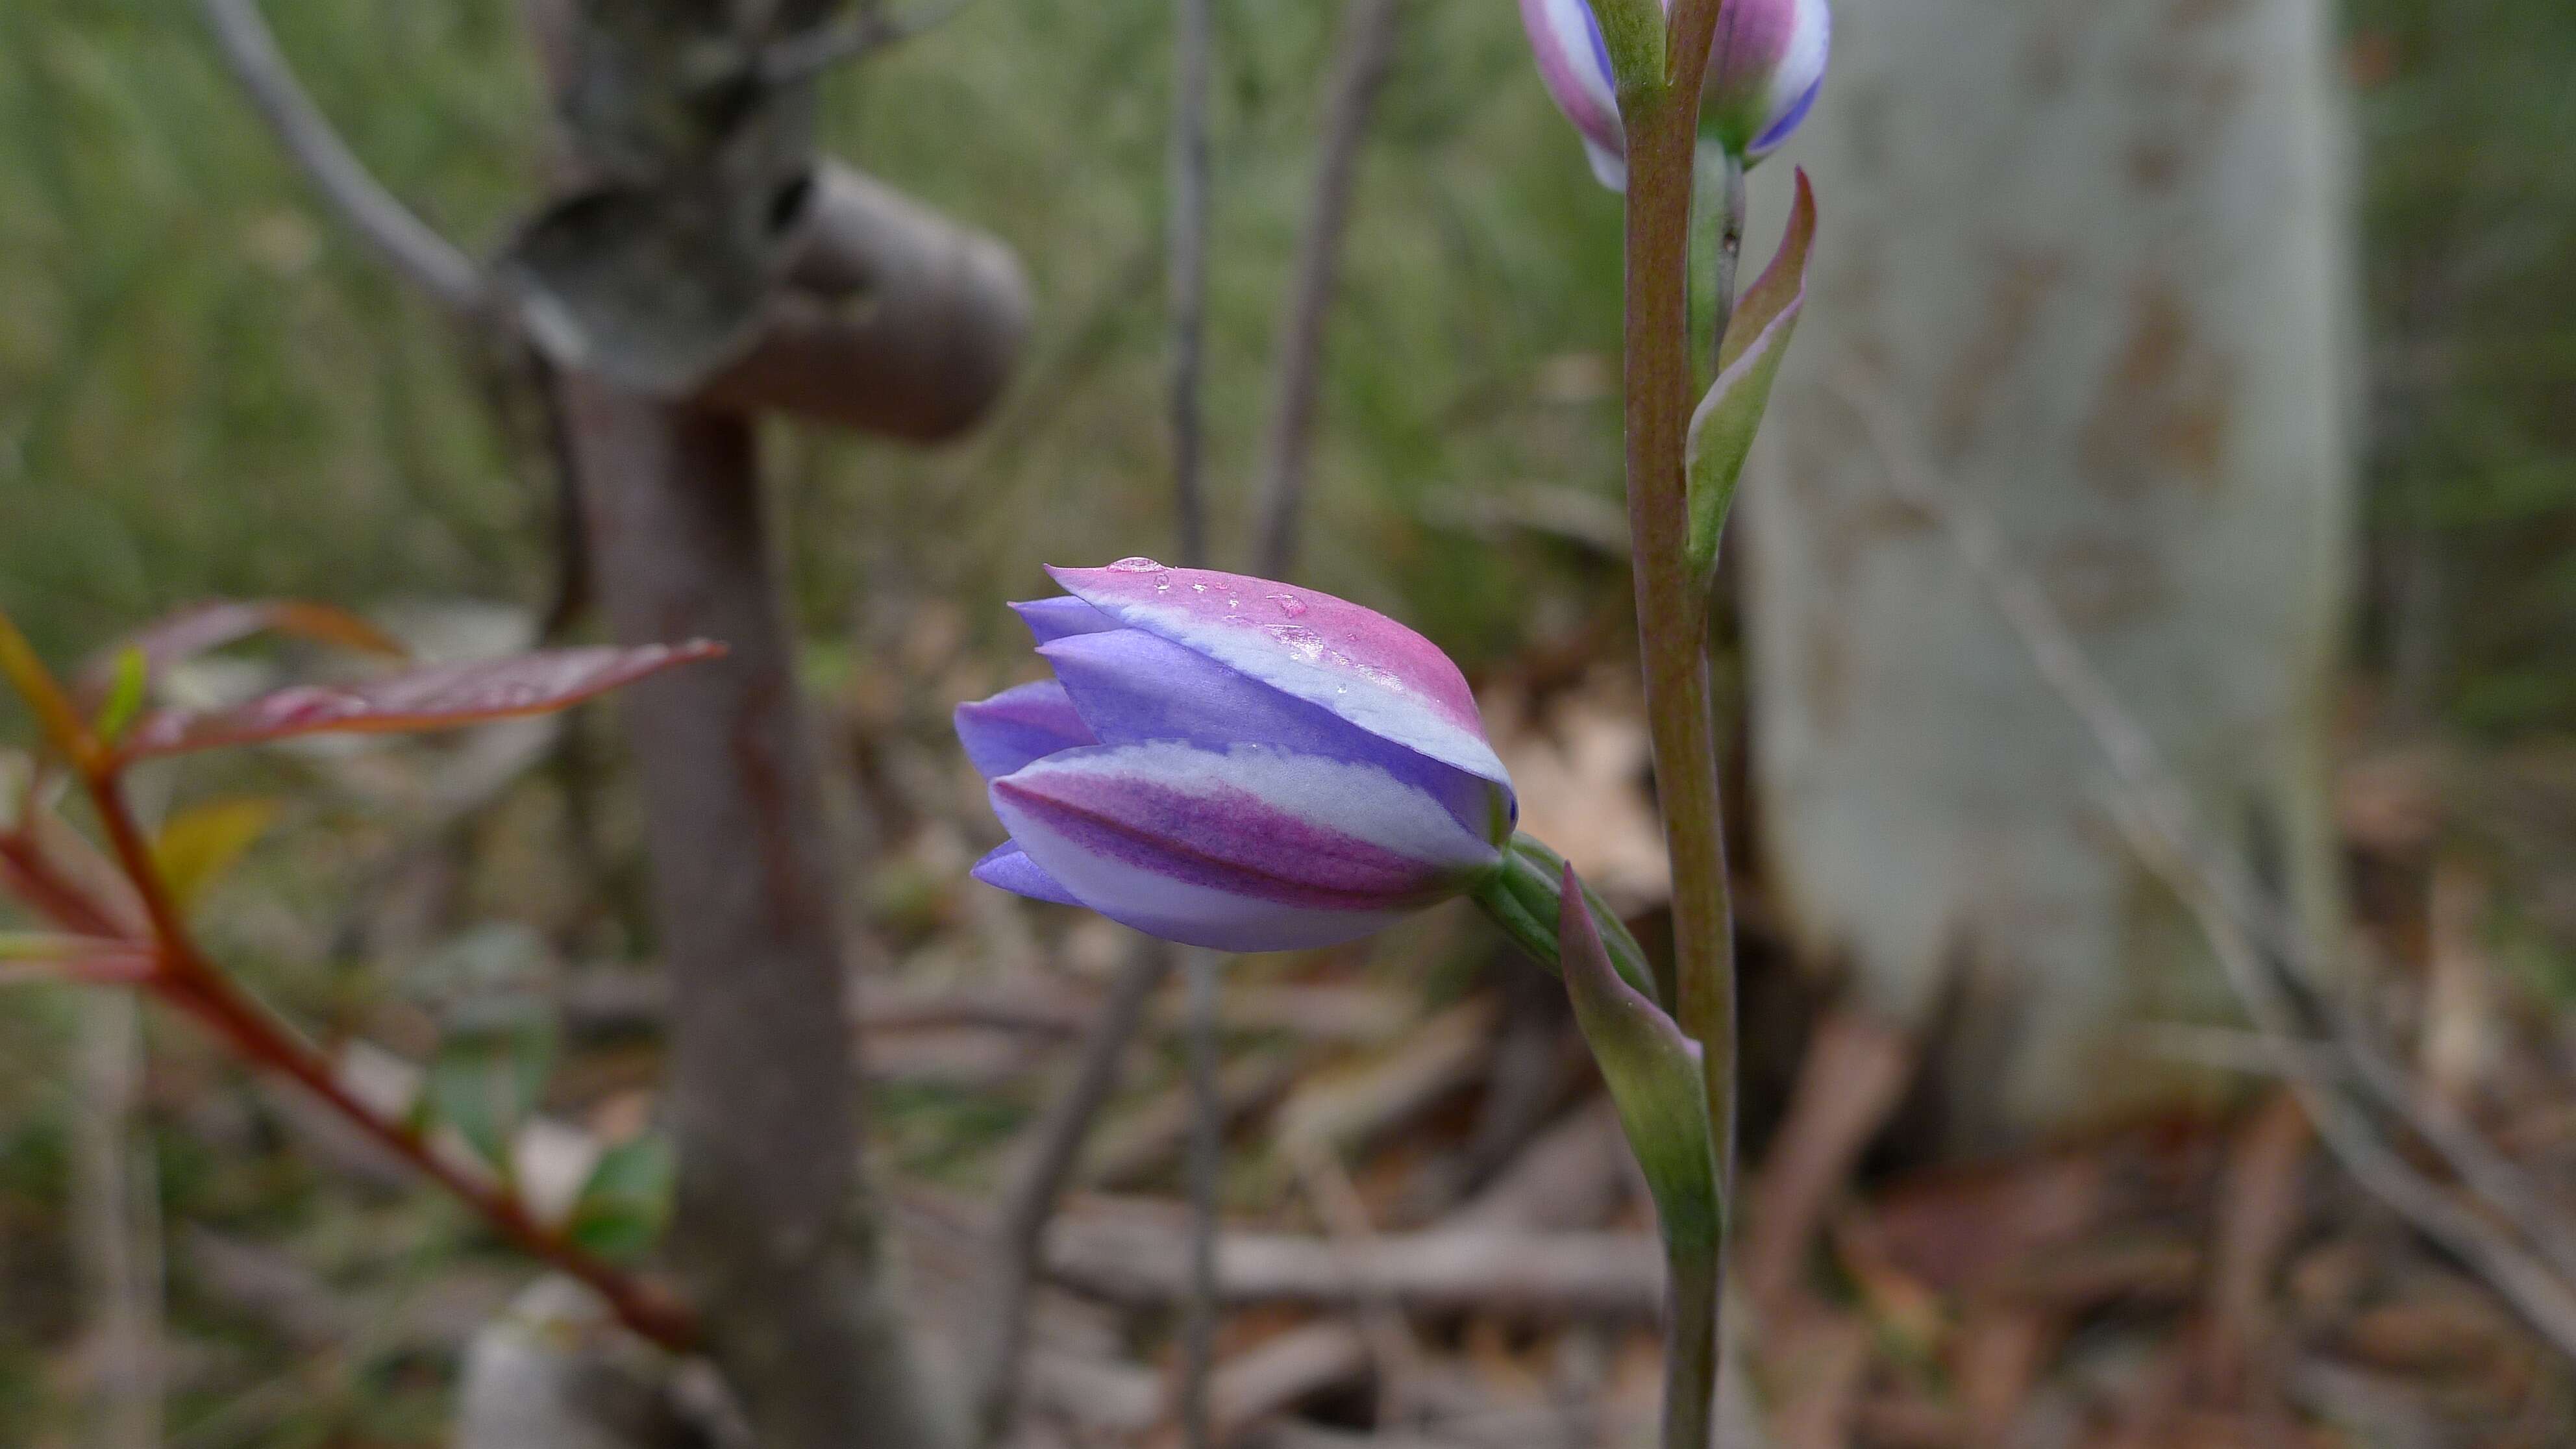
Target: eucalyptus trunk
2083,270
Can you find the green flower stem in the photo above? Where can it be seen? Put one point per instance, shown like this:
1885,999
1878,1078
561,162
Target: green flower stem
1694,1282
1672,621
1522,899
1672,618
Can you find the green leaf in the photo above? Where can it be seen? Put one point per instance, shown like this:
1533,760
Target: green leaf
126,681
485,1083
202,842
440,697
1757,339
1653,1072
1633,32
622,1209
1522,898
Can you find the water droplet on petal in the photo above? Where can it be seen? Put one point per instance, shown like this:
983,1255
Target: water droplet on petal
1137,565
1290,605
1198,588
1305,643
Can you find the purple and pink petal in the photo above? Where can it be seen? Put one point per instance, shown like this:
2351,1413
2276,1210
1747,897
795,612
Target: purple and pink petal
1362,666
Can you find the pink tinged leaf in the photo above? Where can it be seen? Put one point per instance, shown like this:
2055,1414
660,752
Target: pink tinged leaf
1782,285
1653,1072
444,697
203,628
1020,726
1009,867
1757,340
1248,849
1361,665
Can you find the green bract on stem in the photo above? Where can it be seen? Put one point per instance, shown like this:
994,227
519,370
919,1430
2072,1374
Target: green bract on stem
1654,1075
1523,897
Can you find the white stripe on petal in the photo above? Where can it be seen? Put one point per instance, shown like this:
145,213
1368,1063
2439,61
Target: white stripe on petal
1572,24
1810,43
1384,709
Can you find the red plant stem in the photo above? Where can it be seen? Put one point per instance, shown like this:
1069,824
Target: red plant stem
258,1036
181,975
33,879
1672,623
188,981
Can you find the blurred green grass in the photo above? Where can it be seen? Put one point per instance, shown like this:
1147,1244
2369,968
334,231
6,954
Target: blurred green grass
206,387
2468,118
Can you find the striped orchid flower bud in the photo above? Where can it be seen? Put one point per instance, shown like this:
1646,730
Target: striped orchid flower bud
1766,68
1228,762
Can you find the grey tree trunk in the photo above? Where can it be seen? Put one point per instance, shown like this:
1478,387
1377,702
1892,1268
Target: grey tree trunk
2090,260
768,1234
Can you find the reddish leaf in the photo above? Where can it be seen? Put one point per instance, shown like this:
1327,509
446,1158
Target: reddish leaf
424,699
202,628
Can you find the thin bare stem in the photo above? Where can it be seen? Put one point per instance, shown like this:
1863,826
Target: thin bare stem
1360,61
1207,1153
119,1224
1192,60
2545,1300
1193,46
2155,812
1040,1184
414,249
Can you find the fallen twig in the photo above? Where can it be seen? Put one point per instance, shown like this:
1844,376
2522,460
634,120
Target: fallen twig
1143,1145
1546,1275
1387,1338
1283,1372
1206,1176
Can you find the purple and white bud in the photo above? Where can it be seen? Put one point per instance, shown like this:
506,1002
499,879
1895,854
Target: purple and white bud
1766,67
1233,763
1574,63
1765,71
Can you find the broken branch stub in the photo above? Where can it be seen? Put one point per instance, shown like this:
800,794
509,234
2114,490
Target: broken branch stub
896,320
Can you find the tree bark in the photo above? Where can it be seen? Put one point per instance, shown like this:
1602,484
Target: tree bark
2091,258
763,1079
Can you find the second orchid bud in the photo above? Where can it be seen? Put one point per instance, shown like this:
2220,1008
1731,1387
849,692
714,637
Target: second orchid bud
1765,69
